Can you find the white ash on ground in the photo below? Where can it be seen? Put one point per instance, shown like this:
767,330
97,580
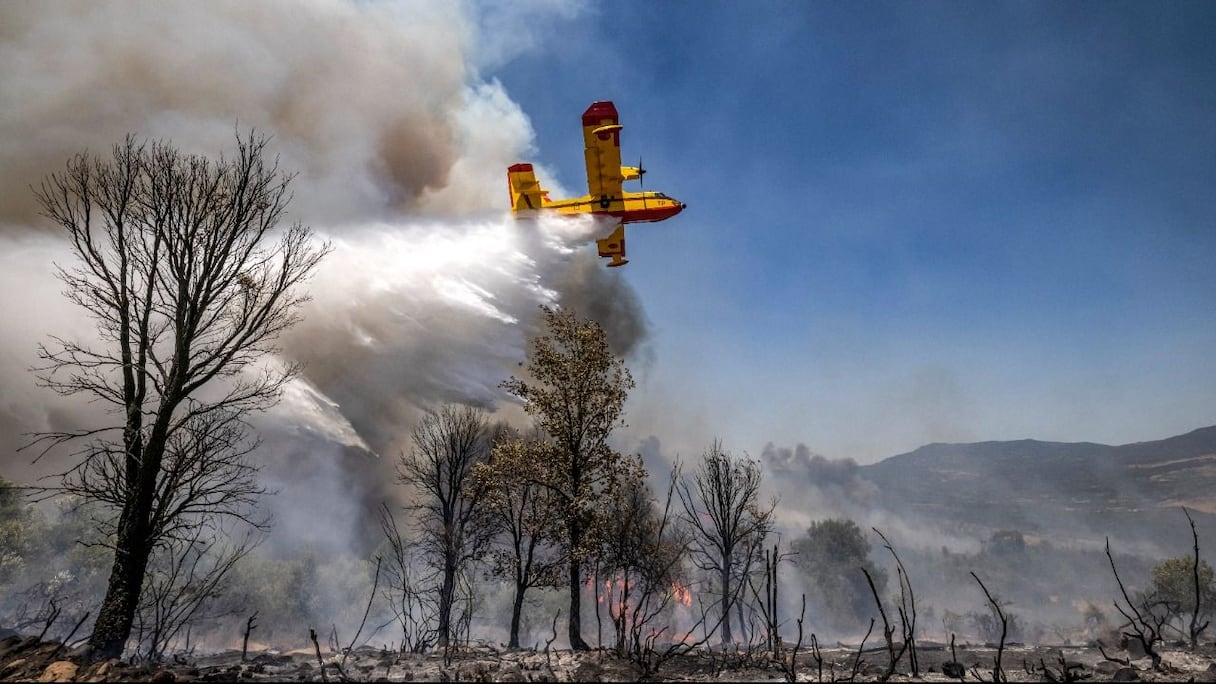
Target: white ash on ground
27,659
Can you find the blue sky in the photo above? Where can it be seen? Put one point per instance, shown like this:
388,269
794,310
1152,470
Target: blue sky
907,222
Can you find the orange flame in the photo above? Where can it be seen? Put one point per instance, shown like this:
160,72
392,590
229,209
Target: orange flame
681,594
614,588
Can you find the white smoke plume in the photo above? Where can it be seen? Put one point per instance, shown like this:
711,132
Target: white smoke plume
404,316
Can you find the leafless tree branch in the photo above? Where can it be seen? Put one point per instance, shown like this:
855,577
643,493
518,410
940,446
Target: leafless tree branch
180,263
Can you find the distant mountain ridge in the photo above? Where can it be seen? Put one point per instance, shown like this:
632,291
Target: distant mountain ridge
1056,488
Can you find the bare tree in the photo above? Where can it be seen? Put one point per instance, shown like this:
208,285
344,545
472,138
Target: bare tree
448,443
907,605
640,555
768,605
525,517
728,522
407,588
644,551
998,673
1145,621
893,654
182,267
1195,627
577,394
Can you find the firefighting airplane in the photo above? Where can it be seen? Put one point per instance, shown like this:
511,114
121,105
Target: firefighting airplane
602,140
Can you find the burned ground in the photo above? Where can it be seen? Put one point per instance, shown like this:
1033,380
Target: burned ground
27,659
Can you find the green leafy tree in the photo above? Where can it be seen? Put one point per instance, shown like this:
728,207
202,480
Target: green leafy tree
54,558
16,535
524,515
1173,580
1173,591
831,556
577,394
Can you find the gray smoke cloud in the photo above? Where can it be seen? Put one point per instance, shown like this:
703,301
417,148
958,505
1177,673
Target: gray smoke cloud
810,487
400,147
363,99
837,483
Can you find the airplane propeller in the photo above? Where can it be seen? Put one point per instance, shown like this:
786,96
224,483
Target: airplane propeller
642,180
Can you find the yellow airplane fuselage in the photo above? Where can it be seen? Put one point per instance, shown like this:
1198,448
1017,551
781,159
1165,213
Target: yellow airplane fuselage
633,207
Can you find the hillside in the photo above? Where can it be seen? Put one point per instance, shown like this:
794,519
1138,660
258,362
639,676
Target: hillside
1063,491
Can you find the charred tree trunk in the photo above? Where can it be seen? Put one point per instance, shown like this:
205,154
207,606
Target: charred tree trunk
133,546
574,529
517,609
574,630
727,637
117,613
523,580
597,597
447,592
620,619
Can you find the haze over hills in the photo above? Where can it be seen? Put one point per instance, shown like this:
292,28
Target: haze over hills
1065,492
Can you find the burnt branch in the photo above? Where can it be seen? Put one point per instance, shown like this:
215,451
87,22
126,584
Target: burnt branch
998,674
371,597
409,589
250,625
312,634
893,654
1144,626
907,605
1106,656
1195,628
184,580
790,667
857,662
52,615
67,640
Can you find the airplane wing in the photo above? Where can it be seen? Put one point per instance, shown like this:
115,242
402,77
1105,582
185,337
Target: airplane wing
602,141
613,246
